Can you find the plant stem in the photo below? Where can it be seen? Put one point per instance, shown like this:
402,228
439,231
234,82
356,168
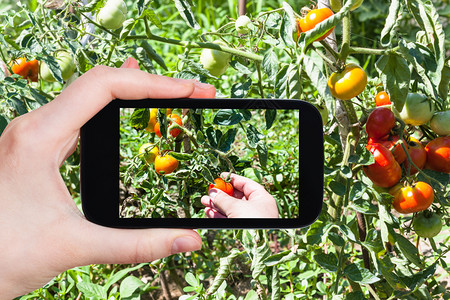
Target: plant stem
261,90
346,31
362,50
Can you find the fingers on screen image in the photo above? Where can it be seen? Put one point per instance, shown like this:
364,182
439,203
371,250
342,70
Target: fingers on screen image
209,163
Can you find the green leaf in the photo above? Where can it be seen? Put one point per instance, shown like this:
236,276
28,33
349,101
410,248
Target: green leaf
140,118
358,295
90,289
184,8
182,156
36,96
389,30
336,239
288,26
407,248
129,288
293,82
270,115
240,67
226,140
281,90
91,6
144,61
413,282
127,26
270,64
251,295
327,261
318,79
191,280
338,188
261,148
240,90
120,274
151,53
395,75
3,123
444,84
54,67
227,117
253,136
359,274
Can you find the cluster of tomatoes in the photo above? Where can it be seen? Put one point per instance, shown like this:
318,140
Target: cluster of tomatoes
392,163
164,162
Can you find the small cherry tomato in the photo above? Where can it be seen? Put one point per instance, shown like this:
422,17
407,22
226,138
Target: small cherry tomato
165,164
220,184
411,199
380,122
418,155
386,171
427,224
438,154
175,131
349,83
382,98
313,18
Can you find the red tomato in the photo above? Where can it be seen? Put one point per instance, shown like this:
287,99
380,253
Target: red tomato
380,122
220,184
410,199
389,143
382,98
313,18
386,171
438,154
418,155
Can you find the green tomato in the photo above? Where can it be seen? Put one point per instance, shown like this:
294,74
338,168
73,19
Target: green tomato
242,24
440,122
323,110
427,224
336,5
66,64
113,14
215,61
418,109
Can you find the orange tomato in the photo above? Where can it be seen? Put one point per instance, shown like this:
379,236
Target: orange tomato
382,98
165,164
411,199
313,18
175,131
27,69
220,184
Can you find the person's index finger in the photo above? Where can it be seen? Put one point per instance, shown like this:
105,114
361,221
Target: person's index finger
86,96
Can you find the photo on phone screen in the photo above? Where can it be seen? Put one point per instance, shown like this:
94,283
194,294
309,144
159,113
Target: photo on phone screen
169,159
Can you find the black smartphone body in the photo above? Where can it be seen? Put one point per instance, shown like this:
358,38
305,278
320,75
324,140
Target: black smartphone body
277,143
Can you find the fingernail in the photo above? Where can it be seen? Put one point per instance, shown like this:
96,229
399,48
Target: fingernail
212,193
184,244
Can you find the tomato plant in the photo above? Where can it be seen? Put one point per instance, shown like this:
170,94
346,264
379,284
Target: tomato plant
427,224
222,185
414,198
348,83
380,122
386,171
313,18
382,98
438,154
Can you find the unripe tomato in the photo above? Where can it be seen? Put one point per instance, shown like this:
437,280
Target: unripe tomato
165,165
66,64
440,122
438,154
148,152
411,199
323,110
386,171
380,122
349,83
427,224
418,155
215,61
242,24
313,18
27,69
336,5
175,131
220,184
382,98
390,144
418,109
113,14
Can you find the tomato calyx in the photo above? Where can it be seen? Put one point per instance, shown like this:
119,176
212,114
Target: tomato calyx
222,184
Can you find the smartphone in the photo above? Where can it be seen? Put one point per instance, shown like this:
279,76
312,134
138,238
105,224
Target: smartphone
134,177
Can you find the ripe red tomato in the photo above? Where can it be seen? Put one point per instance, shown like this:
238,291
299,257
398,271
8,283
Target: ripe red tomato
438,154
165,164
313,18
380,122
411,199
418,155
27,69
382,98
175,131
427,224
220,184
390,144
349,83
386,171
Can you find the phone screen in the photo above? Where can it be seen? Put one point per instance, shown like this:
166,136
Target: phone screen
165,171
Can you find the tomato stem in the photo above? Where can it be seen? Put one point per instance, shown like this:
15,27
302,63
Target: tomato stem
346,33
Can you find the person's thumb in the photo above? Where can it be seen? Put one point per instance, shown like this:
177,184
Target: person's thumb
102,245
222,201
